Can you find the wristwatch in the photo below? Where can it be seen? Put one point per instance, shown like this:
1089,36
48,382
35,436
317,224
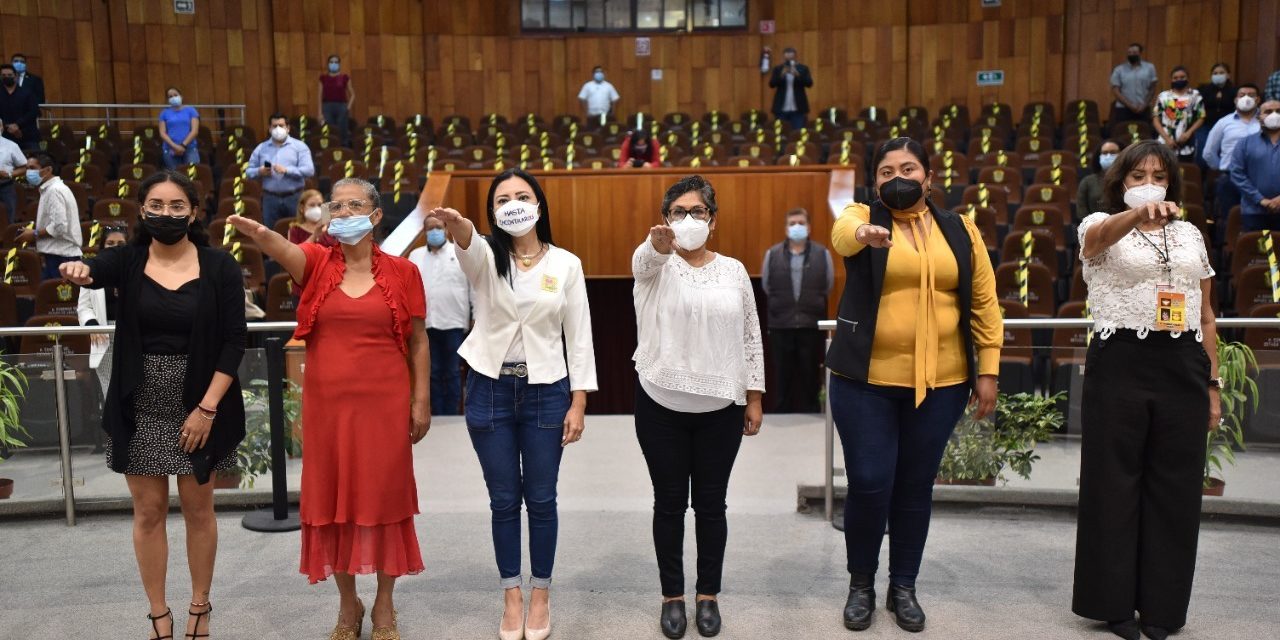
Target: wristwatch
1215,383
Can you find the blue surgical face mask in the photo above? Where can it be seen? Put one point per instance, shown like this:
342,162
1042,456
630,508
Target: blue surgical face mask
798,232
351,229
175,101
33,177
1106,160
435,237
20,67
333,67
598,76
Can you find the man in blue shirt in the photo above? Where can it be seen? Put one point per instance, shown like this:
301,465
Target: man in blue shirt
1255,170
283,164
1220,147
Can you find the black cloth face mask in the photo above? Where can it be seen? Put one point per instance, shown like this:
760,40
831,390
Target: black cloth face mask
900,193
166,229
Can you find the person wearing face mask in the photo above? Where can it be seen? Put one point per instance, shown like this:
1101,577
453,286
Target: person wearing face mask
1133,85
360,310
337,95
700,364
918,336
308,224
1150,394
1255,171
27,80
13,163
791,82
796,277
56,233
1219,149
640,150
1178,114
532,364
448,317
283,164
179,127
1219,96
598,96
19,110
173,405
1089,191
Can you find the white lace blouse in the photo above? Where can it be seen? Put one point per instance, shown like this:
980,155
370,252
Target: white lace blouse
1122,280
697,327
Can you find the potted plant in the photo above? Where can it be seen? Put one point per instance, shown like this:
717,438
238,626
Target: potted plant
13,387
1239,390
293,419
980,451
253,456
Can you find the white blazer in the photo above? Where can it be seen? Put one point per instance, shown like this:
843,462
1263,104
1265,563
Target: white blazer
92,305
559,316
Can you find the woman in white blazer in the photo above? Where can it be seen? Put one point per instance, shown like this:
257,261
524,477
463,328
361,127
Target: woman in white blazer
93,308
532,365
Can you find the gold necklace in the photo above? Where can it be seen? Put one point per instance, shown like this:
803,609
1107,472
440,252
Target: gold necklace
528,260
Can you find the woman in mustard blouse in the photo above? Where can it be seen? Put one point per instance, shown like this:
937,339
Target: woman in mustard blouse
918,336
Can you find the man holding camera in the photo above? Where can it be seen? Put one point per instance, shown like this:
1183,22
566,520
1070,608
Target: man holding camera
789,81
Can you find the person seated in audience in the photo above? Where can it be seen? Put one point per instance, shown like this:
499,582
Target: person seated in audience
179,126
639,150
309,224
26,79
448,315
283,164
1255,171
57,228
1178,114
12,163
1221,143
19,110
1089,192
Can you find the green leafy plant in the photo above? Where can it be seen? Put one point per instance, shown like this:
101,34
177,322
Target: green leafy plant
13,387
1239,393
982,450
293,419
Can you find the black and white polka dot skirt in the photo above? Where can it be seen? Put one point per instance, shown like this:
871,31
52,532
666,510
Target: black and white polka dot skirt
158,416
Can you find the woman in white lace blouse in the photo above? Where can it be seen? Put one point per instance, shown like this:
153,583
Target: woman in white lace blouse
1150,392
701,367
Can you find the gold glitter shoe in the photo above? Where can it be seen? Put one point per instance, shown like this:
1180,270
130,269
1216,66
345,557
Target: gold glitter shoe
345,632
387,633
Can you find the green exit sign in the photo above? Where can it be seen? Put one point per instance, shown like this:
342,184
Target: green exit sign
991,78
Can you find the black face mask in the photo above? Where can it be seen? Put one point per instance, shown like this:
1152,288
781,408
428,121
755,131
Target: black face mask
900,193
166,229
1135,59
1179,84
9,82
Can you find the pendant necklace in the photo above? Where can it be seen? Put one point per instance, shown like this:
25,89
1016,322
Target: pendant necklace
528,260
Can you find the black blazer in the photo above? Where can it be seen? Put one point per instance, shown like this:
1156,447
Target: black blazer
217,345
35,85
803,80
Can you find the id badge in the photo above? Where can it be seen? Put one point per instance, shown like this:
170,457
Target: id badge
1171,309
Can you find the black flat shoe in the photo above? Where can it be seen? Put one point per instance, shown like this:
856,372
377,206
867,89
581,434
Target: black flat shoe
1127,629
902,603
673,619
708,618
861,603
1154,632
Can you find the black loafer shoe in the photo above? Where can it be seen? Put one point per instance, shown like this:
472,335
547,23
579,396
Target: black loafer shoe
708,618
861,603
1154,632
673,620
902,603
1127,629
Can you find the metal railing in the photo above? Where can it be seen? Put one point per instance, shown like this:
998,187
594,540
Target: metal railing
136,113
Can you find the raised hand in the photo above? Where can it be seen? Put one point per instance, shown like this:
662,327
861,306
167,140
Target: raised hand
248,226
662,237
1162,212
446,215
76,273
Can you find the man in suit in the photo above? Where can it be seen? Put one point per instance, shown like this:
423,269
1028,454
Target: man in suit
789,81
19,110
26,79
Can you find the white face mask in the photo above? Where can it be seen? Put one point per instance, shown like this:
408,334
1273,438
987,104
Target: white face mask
312,214
1219,79
517,218
1246,104
691,233
1272,121
279,134
1144,194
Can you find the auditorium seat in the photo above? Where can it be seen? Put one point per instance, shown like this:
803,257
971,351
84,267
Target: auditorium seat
1192,193
88,174
985,219
1066,358
957,113
1134,131
795,160
25,275
1009,178
937,146
137,171
57,298
1079,292
984,195
834,116
746,161
1042,112
1017,356
252,266
27,210
996,114
811,150
1044,248
346,169
1040,296
1066,177
1248,251
200,173
1190,173
43,343
1235,224
246,207
8,313
1081,111
239,186
1082,144
950,164
915,113
244,132
1032,147
1253,289
1040,194
223,235
1194,213
321,142
1048,218
117,211
9,236
281,302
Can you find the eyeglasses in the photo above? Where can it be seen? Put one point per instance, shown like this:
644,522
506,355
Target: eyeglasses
356,207
177,208
699,213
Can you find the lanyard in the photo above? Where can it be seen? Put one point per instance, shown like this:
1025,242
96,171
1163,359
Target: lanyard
1164,255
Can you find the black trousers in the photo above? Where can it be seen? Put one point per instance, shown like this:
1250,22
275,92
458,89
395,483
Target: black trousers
1145,411
683,450
797,364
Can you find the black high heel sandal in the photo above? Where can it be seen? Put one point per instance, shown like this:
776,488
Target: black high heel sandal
156,629
198,616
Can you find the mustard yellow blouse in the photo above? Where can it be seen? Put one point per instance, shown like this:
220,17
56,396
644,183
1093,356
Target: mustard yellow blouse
902,356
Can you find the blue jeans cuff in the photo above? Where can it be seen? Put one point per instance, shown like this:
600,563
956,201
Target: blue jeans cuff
539,583
512,582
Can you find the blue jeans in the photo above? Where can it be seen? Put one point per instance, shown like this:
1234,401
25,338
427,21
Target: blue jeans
51,263
892,450
446,380
171,161
276,208
516,429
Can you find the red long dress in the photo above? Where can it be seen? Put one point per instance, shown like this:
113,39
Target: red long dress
359,496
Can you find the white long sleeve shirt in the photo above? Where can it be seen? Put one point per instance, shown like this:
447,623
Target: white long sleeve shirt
448,294
59,216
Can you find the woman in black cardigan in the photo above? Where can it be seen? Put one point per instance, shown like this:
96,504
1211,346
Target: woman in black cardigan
173,406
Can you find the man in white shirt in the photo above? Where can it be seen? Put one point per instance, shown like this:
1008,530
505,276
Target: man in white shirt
597,95
448,315
12,163
57,229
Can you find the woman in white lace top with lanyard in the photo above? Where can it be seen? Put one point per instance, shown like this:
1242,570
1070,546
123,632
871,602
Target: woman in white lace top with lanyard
701,367
1150,392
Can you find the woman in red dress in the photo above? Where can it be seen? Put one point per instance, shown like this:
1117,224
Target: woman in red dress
361,311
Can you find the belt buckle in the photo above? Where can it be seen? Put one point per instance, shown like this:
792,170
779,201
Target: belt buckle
520,370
